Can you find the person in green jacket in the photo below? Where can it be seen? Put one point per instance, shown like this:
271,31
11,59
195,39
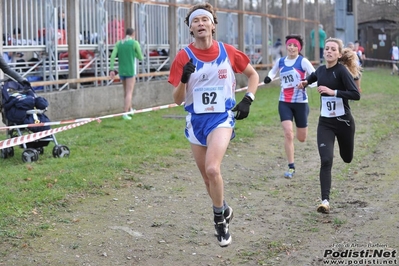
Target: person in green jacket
322,40
127,51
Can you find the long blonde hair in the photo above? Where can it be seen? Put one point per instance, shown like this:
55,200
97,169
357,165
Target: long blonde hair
350,61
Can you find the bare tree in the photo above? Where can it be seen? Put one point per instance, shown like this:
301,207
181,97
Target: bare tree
378,9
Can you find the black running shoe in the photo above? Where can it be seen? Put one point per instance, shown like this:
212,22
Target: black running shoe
224,237
228,215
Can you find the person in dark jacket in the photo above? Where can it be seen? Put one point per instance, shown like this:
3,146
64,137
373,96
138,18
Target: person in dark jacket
337,87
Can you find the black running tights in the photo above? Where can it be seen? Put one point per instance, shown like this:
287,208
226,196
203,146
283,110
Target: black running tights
342,128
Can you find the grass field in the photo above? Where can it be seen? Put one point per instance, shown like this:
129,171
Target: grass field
105,154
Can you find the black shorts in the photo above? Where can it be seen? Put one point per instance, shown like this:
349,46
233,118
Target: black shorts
297,111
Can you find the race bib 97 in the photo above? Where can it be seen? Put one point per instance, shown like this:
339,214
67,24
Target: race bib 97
332,106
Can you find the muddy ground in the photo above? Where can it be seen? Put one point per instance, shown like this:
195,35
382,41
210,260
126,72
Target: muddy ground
165,218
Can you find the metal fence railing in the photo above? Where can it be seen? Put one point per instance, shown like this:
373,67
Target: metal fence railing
26,24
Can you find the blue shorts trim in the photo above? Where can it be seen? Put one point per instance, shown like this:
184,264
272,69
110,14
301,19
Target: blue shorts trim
199,126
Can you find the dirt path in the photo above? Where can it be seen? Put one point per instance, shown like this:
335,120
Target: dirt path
165,218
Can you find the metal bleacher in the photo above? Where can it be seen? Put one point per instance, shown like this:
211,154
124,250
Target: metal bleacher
27,25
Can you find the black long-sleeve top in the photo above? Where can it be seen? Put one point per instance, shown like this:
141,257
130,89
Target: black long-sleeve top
336,78
9,71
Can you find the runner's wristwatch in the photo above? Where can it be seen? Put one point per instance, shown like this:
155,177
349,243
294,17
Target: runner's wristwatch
250,95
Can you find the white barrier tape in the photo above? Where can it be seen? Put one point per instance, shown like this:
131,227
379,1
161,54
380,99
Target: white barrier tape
260,84
35,136
46,123
86,119
382,60
75,123
142,110
245,88
106,116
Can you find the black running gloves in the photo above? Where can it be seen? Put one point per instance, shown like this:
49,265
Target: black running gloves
242,108
188,69
267,80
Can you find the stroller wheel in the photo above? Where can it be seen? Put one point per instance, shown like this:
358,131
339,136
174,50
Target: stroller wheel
60,151
30,155
4,153
7,152
10,151
40,150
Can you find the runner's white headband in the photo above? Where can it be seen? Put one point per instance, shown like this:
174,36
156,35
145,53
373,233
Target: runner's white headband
200,12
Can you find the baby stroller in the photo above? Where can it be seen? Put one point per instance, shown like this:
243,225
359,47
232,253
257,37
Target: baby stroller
19,106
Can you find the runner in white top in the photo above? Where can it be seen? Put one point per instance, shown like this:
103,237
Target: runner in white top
293,102
203,78
395,57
